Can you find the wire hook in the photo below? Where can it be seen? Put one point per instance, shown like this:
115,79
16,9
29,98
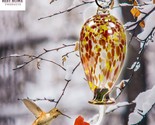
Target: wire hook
103,7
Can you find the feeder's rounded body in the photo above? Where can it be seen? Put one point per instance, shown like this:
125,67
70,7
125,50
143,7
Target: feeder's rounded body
102,51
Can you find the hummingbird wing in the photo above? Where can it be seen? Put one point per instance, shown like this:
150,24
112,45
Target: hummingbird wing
36,110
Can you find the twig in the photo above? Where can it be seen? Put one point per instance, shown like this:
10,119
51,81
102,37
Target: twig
44,99
67,10
52,1
33,56
39,57
66,55
67,82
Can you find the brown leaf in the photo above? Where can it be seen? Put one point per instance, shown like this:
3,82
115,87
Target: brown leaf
38,63
142,24
135,3
76,46
112,4
122,85
64,60
135,12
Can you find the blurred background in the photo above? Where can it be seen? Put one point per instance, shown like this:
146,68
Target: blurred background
22,33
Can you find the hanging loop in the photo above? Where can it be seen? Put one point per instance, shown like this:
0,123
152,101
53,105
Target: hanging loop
105,5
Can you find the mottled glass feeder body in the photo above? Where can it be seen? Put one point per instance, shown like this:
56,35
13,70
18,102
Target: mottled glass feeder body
102,51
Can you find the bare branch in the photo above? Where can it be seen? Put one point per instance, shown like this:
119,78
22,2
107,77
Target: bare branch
66,55
63,91
33,57
67,10
62,47
52,1
44,99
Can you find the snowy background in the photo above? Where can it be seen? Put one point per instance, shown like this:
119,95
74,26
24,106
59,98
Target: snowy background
21,32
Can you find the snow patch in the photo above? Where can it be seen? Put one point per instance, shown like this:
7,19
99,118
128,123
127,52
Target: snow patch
134,117
144,102
116,106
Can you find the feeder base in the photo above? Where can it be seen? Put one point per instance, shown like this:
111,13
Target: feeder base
103,102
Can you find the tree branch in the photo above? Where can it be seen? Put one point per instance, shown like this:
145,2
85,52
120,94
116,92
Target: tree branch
145,41
33,57
67,10
52,1
67,82
44,99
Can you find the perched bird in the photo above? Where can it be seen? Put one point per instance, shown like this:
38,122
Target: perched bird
42,118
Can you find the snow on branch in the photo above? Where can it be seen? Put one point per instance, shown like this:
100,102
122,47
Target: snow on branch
144,103
114,107
144,38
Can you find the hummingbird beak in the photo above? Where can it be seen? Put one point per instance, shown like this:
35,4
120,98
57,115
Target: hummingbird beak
65,115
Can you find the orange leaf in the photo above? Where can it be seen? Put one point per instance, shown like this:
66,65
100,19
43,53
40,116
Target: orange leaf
80,121
135,12
135,3
142,24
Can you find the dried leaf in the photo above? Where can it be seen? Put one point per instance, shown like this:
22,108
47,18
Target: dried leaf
122,85
64,60
142,24
80,121
38,63
135,12
135,3
112,4
76,46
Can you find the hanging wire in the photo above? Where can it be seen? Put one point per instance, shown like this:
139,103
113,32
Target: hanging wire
103,7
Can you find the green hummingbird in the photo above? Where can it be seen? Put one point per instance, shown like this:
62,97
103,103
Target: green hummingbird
42,118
